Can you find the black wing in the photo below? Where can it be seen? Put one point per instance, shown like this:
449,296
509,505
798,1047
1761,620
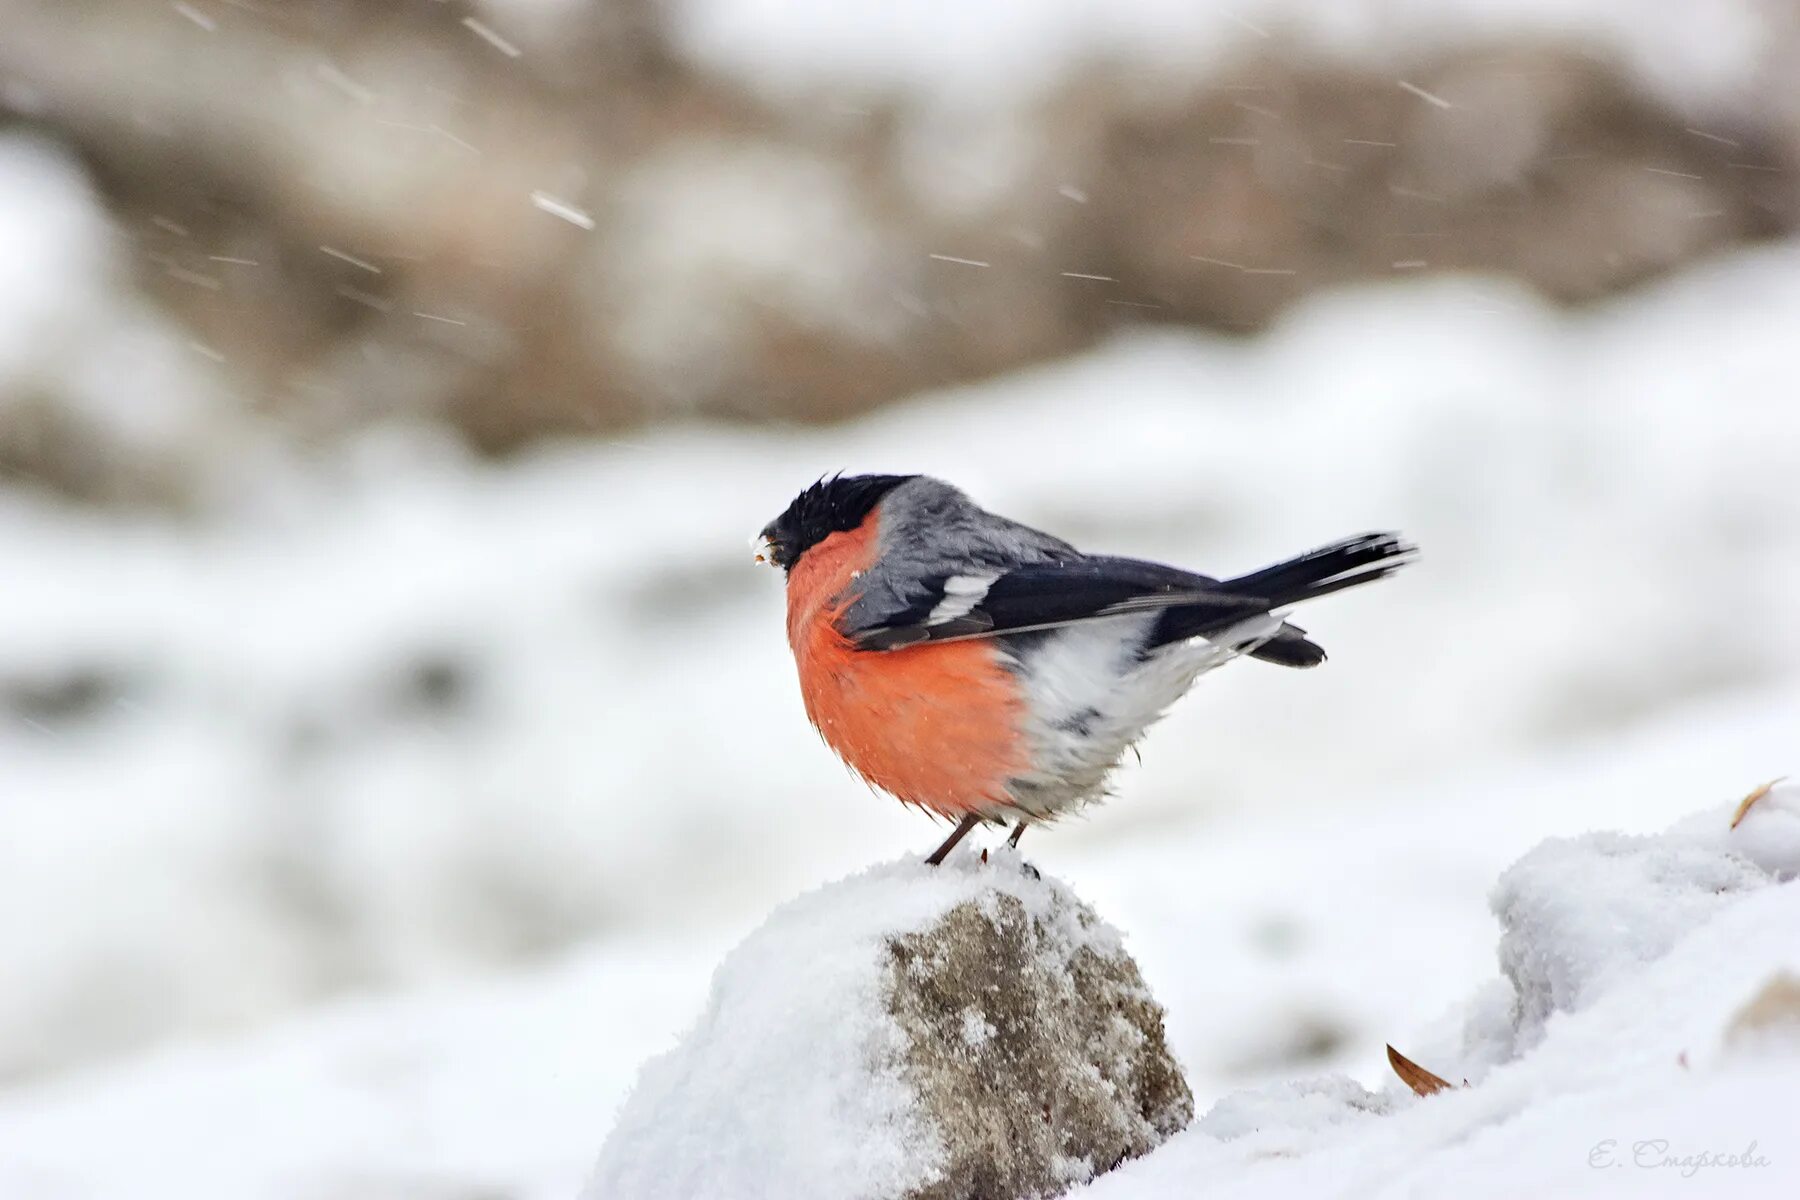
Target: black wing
1063,592
1044,596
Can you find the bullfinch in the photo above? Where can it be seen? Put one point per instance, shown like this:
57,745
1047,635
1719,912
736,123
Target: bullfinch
988,672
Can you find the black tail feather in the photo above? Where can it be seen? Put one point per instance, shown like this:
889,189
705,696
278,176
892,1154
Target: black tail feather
1346,564
1290,648
1328,569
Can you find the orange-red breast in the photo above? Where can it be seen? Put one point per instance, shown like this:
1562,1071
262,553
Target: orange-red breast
987,671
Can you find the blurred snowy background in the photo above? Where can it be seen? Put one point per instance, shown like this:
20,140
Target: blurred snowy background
392,725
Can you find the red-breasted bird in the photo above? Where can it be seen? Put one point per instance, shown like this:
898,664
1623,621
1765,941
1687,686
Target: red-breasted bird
987,671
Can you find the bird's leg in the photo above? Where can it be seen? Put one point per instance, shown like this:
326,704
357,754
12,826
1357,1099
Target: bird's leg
962,830
1013,841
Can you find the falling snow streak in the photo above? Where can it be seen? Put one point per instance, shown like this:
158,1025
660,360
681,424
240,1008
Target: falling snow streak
1220,262
487,34
195,15
435,131
1713,137
561,208
1246,23
366,299
966,262
345,256
1421,93
343,83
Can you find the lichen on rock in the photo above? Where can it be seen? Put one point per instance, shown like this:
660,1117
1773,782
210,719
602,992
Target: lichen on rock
1067,1073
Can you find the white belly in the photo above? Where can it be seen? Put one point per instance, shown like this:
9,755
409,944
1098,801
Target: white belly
1092,697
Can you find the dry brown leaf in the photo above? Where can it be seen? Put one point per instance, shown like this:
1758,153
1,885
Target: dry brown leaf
1421,1081
1775,1006
1756,793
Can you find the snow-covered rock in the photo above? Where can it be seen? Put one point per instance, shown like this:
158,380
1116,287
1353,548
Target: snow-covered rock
1581,915
969,1031
1644,1032
1578,913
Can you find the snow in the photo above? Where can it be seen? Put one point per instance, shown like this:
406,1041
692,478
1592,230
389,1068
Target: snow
1580,912
1368,919
710,238
1644,1063
52,243
68,335
975,1029
392,1098
392,717
996,53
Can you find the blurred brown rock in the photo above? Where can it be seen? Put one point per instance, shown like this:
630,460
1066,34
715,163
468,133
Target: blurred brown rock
372,211
1280,177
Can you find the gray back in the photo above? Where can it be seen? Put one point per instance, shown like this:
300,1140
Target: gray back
930,531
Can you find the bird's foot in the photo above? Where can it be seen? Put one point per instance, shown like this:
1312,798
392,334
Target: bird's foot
1023,865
